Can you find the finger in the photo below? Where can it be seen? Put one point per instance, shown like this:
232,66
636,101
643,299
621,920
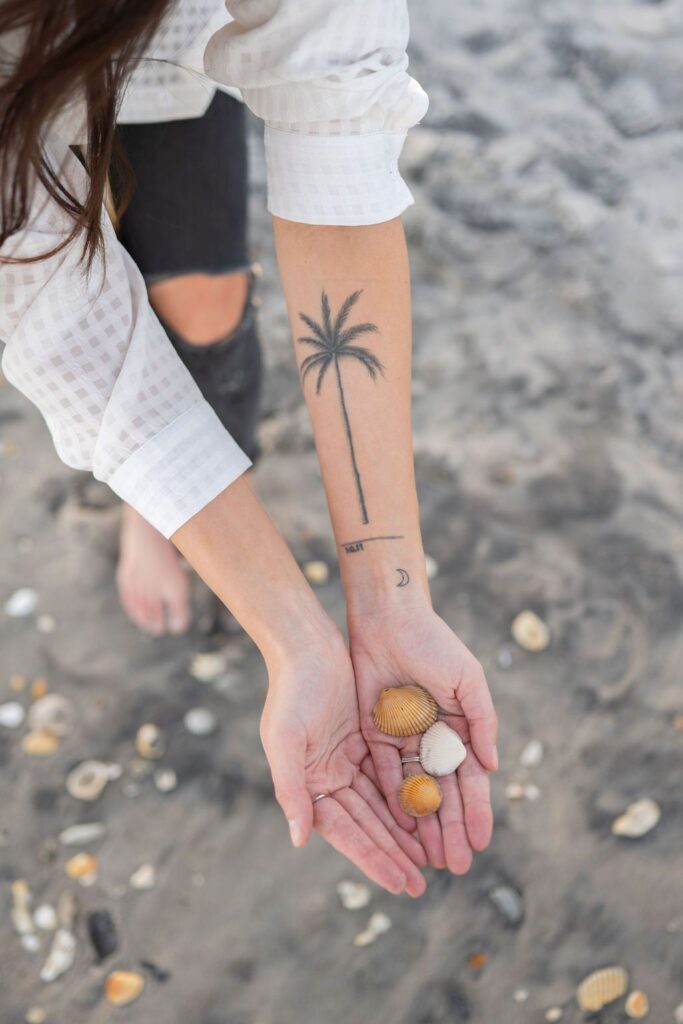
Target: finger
475,699
428,828
457,849
337,826
476,797
367,820
406,840
288,767
387,761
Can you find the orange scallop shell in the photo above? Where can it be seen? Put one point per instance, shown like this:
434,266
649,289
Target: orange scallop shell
601,987
419,795
405,711
123,987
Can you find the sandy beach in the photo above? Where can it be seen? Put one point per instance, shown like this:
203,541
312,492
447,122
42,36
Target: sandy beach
546,247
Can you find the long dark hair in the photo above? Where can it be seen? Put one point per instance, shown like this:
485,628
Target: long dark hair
66,49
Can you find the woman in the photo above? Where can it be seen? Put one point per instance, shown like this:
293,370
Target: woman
83,343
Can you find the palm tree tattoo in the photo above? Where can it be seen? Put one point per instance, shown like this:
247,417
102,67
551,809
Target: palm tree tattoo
334,343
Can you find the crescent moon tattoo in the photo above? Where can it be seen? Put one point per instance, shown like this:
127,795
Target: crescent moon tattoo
405,578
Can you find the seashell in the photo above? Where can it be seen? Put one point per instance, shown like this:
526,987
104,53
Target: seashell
35,1015
637,1005
353,895
441,750
80,835
88,779
532,755
144,878
521,791
39,688
21,911
404,711
200,721
678,1014
508,903
61,955
419,795
530,632
477,961
17,683
208,666
431,567
553,1014
601,987
52,713
102,932
22,602
12,714
82,867
317,573
638,819
39,743
45,917
123,987
150,742
377,925
521,995
45,624
165,779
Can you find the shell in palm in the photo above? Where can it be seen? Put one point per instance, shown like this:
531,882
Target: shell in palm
419,795
601,987
405,711
441,750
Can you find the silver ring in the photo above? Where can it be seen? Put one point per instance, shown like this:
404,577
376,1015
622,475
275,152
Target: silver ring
410,760
320,796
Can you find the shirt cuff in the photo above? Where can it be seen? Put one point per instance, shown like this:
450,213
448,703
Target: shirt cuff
335,179
180,470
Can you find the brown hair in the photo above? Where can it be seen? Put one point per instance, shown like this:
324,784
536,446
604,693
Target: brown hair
67,49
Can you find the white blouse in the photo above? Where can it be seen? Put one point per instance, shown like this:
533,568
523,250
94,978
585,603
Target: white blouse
329,78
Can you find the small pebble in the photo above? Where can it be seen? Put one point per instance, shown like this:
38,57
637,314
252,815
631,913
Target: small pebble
353,895
678,1014
144,878
165,780
39,688
207,667
508,903
45,917
45,624
505,656
431,567
553,1014
477,961
22,602
520,995
200,721
520,791
39,743
80,835
123,987
378,924
637,1005
532,755
12,714
530,632
638,819
150,742
35,1015
103,934
317,573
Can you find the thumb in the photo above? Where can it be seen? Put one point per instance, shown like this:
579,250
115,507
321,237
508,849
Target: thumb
288,768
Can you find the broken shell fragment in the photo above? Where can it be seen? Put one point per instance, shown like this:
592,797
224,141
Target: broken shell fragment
200,721
22,602
39,743
52,713
405,711
88,779
441,750
165,779
61,955
532,755
82,867
80,835
123,987
637,1005
530,632
600,988
150,742
144,878
553,1014
35,1015
207,666
638,819
12,714
21,915
39,688
45,917
353,895
317,573
419,795
377,925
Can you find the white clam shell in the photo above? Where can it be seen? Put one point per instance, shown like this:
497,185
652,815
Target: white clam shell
441,750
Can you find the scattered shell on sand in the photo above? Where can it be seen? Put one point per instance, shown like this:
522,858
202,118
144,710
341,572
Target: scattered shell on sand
22,602
477,961
420,795
88,779
521,995
144,878
678,1014
405,711
39,688
638,819
317,573
601,987
17,683
441,750
12,714
678,722
165,779
353,895
207,666
431,567
530,632
200,721
505,656
45,624
637,1005
532,755
45,917
81,835
123,987
61,955
102,932
82,867
22,918
52,713
35,1015
39,743
377,925
553,1014
150,742
508,903
522,791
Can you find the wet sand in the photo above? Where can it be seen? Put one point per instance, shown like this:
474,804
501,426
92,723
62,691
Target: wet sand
547,253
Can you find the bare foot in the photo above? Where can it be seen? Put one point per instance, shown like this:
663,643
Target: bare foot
153,586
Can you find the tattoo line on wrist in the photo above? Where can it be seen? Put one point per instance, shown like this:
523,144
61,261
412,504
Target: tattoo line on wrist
350,546
334,344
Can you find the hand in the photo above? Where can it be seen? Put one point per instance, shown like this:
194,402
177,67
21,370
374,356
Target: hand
311,735
413,645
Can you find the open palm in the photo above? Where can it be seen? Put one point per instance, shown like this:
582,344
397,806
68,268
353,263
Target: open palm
311,735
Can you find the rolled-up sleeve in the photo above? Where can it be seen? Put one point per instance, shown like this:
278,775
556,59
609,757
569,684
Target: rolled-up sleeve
89,352
330,80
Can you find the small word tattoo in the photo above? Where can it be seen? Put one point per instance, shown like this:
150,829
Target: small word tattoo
405,578
350,546
334,342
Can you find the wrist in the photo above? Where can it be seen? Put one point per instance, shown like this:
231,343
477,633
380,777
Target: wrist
384,579
300,627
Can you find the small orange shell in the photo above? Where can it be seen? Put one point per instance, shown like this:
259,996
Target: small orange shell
405,711
122,987
601,987
420,795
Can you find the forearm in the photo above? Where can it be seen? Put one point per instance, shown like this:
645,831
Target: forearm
238,552
361,410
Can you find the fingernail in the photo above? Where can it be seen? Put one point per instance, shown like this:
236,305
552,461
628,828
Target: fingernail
495,759
295,832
